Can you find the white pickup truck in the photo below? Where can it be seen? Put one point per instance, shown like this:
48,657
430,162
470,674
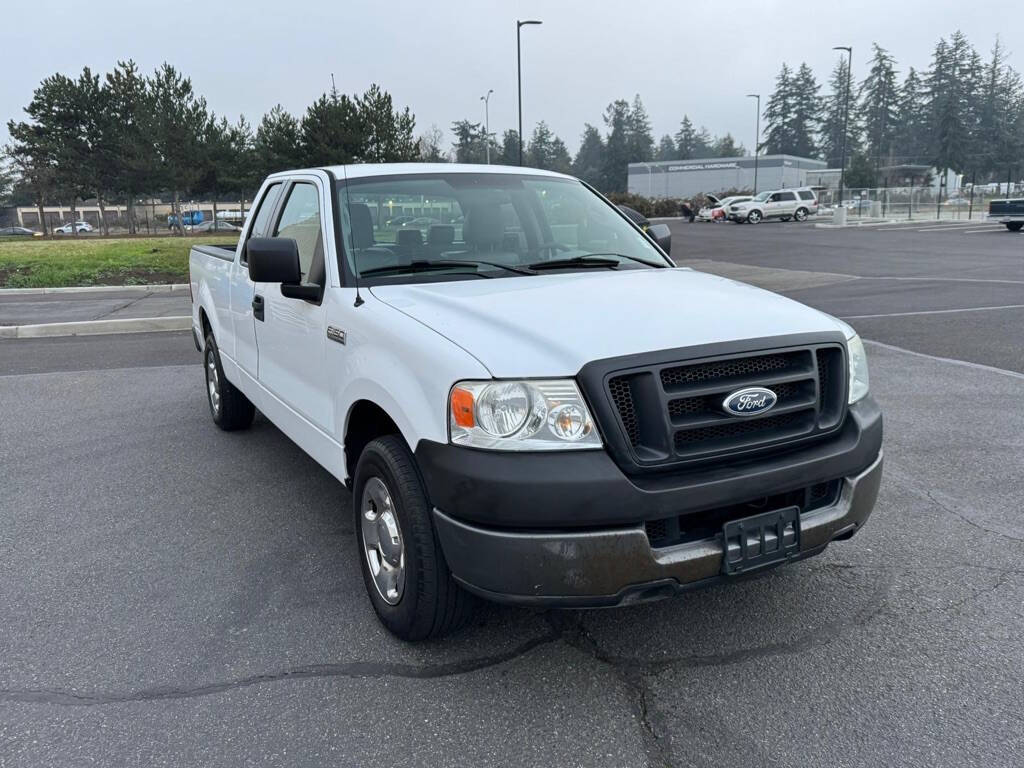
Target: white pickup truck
528,400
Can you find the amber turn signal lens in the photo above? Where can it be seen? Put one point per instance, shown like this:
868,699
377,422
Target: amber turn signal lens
462,407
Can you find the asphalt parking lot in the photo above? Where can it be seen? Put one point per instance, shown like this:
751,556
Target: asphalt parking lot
174,595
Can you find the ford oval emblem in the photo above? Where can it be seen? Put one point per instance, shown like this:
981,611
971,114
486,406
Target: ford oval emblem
749,402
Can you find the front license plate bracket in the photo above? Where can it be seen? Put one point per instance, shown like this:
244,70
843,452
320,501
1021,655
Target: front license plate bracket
760,540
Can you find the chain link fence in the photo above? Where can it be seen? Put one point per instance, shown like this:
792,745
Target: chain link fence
910,203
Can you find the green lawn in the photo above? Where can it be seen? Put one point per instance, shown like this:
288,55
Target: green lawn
28,263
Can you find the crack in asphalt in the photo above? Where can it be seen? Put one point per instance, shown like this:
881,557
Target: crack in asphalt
123,306
355,669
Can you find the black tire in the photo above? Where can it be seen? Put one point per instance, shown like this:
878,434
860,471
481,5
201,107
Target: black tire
754,217
801,214
431,603
1014,226
230,409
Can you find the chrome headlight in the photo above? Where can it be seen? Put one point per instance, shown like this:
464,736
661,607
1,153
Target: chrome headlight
858,362
529,415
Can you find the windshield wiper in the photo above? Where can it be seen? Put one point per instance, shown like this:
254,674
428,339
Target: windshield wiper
631,258
425,265
591,260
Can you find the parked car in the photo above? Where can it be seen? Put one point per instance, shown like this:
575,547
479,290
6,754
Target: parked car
398,221
187,218
81,226
213,226
716,209
535,411
782,204
636,217
420,222
19,232
1007,212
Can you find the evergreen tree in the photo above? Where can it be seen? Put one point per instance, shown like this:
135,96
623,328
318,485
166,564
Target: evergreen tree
726,146
508,154
469,142
952,102
130,109
179,118
998,115
686,140
806,112
879,108
702,144
30,155
617,150
589,160
778,115
830,132
331,131
641,141
666,149
387,133
561,160
912,131
278,144
539,149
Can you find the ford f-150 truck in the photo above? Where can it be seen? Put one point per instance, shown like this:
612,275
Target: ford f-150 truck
529,401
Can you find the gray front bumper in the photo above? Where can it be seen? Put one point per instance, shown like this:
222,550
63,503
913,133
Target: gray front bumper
617,565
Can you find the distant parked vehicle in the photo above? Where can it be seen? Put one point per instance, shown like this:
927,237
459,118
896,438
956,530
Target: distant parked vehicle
420,222
81,226
213,226
398,221
19,232
716,209
187,218
1007,212
782,204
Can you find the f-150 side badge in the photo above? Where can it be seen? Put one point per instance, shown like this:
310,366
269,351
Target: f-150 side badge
335,334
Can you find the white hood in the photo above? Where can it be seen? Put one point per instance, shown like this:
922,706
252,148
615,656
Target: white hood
552,325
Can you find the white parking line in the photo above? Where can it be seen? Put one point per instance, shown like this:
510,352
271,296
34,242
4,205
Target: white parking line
935,312
990,229
952,361
943,227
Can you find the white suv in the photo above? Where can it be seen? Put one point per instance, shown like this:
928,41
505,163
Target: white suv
782,204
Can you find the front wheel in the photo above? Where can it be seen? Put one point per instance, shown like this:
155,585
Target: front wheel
801,214
1014,226
754,217
406,575
229,408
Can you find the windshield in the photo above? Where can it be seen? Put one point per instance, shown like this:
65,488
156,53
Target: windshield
760,198
454,226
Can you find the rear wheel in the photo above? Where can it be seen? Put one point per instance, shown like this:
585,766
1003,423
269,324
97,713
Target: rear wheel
754,217
801,214
406,576
1014,226
229,408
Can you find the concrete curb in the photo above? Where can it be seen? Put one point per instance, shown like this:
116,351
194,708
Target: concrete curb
153,288
95,327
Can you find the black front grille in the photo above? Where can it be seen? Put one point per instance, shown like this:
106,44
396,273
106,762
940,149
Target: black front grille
680,529
674,412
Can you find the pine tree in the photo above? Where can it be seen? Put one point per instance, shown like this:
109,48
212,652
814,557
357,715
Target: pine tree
806,112
686,140
617,146
666,149
778,115
561,160
999,109
331,131
509,151
725,146
539,150
469,142
278,143
911,135
831,130
878,105
952,102
129,107
641,141
387,133
590,157
702,144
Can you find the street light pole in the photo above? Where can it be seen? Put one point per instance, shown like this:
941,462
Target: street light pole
757,134
487,123
519,79
846,114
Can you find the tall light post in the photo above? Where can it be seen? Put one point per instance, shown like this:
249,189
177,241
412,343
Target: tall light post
757,134
487,122
519,78
846,114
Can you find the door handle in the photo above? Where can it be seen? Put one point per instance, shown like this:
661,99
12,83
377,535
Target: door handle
257,307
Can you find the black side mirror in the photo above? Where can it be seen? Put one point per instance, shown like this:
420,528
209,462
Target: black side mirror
273,260
662,235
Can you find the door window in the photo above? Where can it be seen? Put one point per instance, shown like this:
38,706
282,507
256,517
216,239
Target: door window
300,220
261,220
787,197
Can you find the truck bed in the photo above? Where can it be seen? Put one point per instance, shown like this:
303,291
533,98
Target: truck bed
225,252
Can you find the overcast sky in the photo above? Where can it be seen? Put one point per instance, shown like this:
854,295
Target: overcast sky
696,58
